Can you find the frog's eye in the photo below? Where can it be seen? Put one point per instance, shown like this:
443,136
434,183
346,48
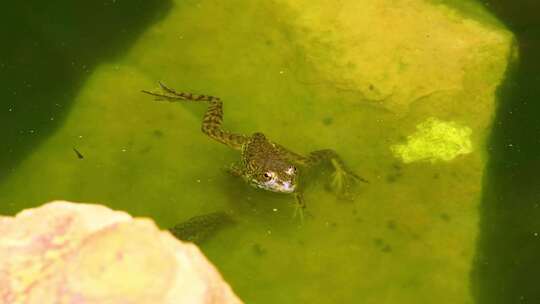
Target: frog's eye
291,170
268,175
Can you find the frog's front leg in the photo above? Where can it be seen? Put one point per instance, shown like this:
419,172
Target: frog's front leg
300,205
343,177
235,169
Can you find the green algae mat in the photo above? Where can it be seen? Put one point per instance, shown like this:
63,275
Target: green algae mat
404,90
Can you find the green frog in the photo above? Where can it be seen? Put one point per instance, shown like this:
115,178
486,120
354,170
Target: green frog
199,229
264,164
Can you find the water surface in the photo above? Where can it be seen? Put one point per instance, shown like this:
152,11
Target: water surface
355,77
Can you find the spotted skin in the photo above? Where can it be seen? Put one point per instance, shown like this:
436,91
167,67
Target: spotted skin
213,118
264,164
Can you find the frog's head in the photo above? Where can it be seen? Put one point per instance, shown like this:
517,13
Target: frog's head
266,168
280,177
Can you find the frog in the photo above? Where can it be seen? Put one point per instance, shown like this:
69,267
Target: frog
264,163
200,228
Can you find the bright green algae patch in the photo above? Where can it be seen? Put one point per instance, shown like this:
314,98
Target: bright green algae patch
435,140
356,76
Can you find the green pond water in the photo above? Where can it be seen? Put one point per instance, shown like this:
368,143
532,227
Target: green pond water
432,101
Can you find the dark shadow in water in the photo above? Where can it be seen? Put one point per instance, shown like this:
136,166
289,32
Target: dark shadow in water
48,50
507,263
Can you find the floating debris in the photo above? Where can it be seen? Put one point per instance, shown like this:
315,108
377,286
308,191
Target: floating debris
79,154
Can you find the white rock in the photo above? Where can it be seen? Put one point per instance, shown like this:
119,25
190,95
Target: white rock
65,252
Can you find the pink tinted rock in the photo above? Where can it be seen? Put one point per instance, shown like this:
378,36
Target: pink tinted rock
66,252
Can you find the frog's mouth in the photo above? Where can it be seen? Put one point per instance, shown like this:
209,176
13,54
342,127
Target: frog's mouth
286,187
276,186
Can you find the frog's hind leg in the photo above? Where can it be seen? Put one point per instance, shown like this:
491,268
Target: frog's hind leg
213,118
343,177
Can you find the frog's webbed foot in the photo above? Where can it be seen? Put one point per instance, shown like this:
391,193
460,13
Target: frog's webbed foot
342,179
168,94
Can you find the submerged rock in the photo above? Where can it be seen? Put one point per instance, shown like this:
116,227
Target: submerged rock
64,252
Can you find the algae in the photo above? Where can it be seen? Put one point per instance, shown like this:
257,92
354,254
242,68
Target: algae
435,140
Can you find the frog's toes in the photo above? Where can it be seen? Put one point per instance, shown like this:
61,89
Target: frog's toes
299,212
337,181
342,182
299,207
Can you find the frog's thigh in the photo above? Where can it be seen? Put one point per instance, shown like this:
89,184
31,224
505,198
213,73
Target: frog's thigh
291,156
323,155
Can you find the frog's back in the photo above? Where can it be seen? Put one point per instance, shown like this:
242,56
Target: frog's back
259,150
